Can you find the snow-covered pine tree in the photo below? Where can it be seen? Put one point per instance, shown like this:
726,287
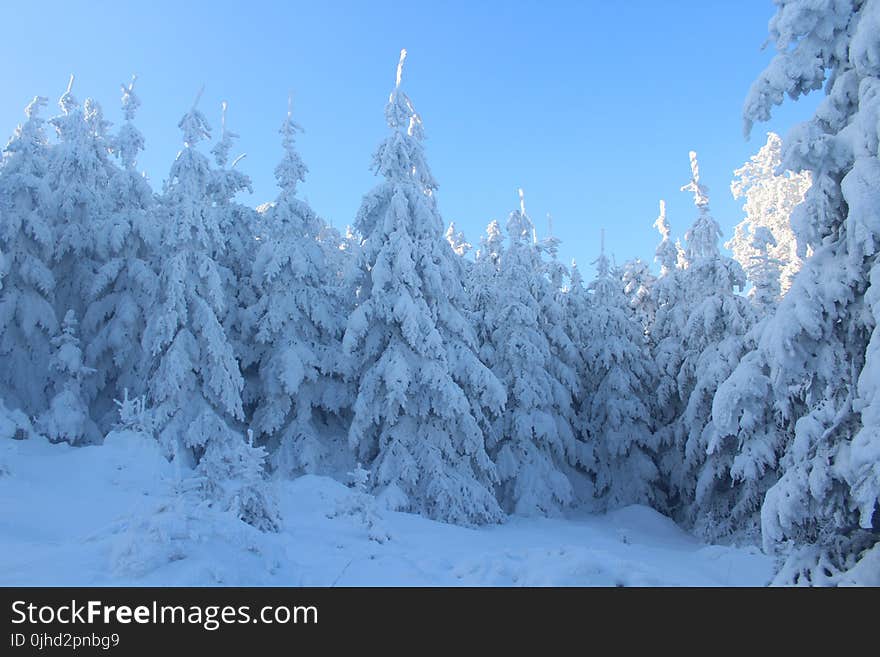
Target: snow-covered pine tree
235,257
666,337
712,343
457,241
79,175
27,316
236,220
532,441
763,270
412,351
818,357
194,379
67,418
471,298
484,287
577,303
13,423
577,309
638,285
770,198
123,291
341,258
566,359
619,384
296,324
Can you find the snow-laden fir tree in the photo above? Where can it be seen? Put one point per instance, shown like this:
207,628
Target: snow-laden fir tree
13,423
619,383
412,351
237,223
712,342
817,359
296,325
484,287
79,174
763,270
457,241
473,298
122,293
577,303
577,307
532,441
231,473
770,197
27,316
194,379
567,360
67,418
666,335
551,281
235,219
638,286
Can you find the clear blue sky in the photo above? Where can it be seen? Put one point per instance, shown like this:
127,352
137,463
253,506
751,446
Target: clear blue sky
590,106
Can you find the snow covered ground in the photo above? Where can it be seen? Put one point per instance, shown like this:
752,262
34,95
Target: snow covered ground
108,516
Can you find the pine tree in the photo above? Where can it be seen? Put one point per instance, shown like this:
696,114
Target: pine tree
619,384
764,271
412,352
124,288
27,316
577,305
484,288
193,369
818,352
457,241
532,441
666,340
770,199
67,418
79,175
13,423
566,359
231,473
712,343
485,393
296,323
638,285
235,258
747,470
194,379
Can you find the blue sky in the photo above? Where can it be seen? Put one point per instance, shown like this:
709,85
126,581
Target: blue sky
591,107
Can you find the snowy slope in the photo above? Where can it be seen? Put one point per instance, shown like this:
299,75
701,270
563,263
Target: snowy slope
106,516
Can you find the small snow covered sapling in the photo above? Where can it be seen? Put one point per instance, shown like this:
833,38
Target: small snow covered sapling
133,414
231,472
362,505
359,478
